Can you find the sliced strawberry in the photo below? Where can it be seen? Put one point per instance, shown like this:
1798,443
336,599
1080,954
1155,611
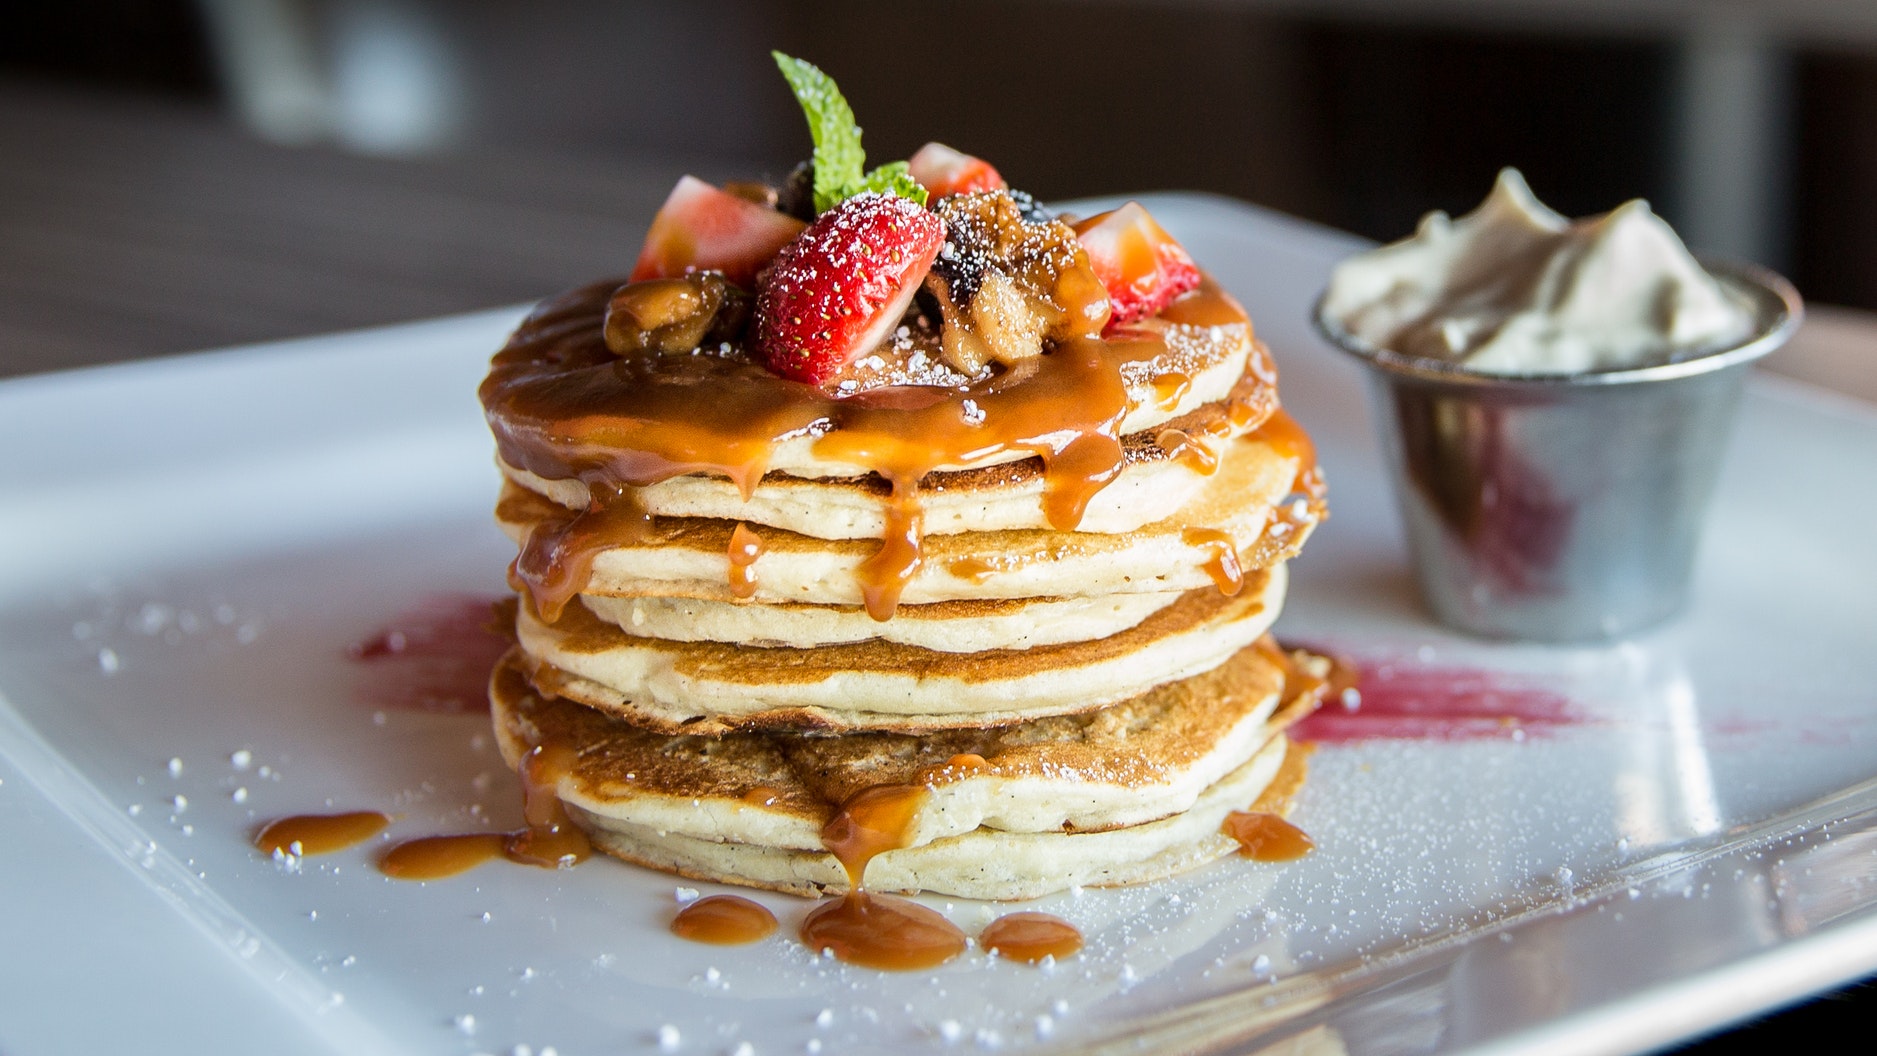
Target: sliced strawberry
942,171
700,228
1139,263
839,289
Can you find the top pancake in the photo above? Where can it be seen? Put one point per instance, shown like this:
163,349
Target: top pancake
564,408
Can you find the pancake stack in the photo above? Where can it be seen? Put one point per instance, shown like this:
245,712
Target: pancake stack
1078,706
885,529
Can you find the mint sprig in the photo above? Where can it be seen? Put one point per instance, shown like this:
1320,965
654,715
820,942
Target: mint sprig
840,162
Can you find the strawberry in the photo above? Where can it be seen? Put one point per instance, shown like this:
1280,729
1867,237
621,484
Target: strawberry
1142,266
839,289
700,228
942,171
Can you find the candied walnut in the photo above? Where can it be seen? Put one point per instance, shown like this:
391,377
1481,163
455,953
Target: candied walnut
1007,284
675,315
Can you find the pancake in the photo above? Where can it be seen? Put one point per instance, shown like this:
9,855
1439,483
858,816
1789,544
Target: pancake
1167,463
1130,793
690,558
984,863
555,385
709,687
946,626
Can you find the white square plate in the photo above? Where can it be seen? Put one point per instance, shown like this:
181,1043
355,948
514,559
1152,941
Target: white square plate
1520,848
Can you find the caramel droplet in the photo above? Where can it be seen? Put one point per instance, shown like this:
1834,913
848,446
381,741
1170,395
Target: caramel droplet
879,931
320,833
761,796
1266,837
1030,937
724,920
435,857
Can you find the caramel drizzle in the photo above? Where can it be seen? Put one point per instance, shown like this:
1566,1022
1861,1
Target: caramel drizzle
1282,434
1223,566
871,822
1170,388
1187,449
556,559
868,929
745,547
551,840
1303,506
1261,831
562,407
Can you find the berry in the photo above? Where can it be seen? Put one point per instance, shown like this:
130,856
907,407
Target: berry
942,171
839,289
701,228
1142,266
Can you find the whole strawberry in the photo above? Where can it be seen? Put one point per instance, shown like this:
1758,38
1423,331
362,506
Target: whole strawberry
840,288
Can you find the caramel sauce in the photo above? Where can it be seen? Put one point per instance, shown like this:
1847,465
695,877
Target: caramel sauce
436,857
563,407
1302,507
1170,388
551,840
1261,831
967,761
761,796
1223,565
872,821
556,559
724,920
305,834
745,547
1266,837
1301,685
1030,937
876,931
975,569
1184,448
1282,433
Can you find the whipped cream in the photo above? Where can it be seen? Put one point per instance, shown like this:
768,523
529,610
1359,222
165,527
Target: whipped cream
1515,288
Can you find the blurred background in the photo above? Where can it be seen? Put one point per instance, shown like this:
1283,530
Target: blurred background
424,156
181,174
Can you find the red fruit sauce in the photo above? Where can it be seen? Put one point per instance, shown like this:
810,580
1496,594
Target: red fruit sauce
1403,699
434,657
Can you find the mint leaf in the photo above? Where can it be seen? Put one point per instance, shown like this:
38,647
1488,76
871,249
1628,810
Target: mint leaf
839,160
838,157
893,178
